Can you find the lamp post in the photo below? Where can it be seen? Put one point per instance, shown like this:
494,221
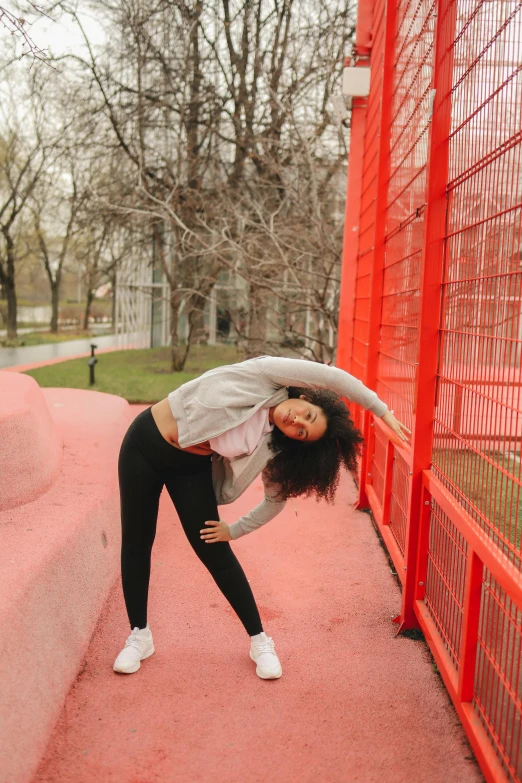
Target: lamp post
92,362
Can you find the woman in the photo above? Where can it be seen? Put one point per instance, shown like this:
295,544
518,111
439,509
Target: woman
206,442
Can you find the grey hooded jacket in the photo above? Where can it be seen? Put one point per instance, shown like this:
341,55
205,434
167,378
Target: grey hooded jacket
225,397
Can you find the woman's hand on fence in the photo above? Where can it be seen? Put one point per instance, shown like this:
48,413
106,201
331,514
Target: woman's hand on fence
396,426
220,532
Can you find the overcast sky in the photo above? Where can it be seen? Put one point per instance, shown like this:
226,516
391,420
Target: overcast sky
63,35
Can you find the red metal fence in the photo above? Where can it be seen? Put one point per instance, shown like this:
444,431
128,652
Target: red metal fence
431,318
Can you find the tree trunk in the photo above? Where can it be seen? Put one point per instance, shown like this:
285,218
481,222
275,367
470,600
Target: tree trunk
113,314
257,322
196,318
90,300
196,99
55,298
178,353
197,327
10,289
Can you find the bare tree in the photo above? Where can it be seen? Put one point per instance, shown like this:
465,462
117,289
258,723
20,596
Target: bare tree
57,207
16,22
207,103
25,152
287,155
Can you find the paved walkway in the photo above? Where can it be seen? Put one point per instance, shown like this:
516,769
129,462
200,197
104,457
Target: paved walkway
101,328
30,354
355,702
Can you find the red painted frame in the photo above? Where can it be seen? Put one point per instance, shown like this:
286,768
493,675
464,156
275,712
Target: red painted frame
425,489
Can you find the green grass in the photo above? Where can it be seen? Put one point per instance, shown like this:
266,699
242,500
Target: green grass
496,495
44,338
140,376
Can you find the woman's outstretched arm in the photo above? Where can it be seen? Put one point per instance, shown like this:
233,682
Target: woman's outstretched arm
301,372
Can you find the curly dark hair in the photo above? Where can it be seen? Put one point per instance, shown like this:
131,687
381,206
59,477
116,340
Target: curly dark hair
313,468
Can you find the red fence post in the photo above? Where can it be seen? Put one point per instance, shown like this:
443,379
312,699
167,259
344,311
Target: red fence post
362,50
381,196
470,619
351,235
430,294
423,541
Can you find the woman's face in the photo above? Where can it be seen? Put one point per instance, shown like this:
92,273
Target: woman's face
299,419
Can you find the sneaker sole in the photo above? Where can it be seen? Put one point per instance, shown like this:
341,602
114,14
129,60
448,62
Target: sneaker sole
135,669
265,676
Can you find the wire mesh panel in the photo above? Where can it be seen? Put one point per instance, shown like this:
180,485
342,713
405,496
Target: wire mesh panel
399,501
408,144
497,696
445,578
399,325
479,424
379,465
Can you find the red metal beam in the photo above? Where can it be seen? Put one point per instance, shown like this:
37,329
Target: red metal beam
351,235
423,543
470,626
432,272
363,30
381,197
362,49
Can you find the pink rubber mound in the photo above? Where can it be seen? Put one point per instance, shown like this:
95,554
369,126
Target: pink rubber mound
31,453
60,551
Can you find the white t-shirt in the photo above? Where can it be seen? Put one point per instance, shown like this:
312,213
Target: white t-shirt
244,438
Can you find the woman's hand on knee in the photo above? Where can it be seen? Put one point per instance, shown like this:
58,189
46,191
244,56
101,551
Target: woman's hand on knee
219,532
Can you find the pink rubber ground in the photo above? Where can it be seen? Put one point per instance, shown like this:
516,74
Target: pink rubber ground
354,703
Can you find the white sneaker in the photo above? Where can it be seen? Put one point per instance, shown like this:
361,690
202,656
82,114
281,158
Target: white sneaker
263,653
138,646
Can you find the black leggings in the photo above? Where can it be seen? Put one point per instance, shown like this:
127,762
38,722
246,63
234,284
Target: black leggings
146,463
